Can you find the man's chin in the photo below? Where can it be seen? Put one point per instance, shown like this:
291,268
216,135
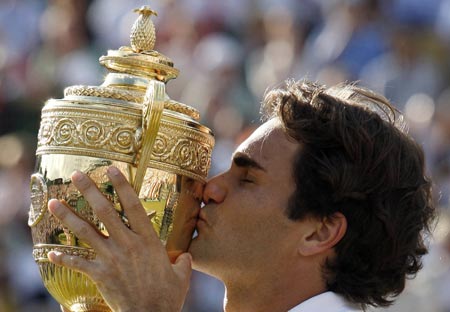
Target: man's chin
199,264
198,257
193,248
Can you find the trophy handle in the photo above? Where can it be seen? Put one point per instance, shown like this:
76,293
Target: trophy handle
152,108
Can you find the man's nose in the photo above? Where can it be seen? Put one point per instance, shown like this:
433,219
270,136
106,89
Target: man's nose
215,190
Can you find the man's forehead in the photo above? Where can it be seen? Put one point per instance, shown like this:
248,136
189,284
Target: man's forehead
261,134
267,141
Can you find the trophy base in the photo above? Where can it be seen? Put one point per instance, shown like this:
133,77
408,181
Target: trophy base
72,298
73,290
83,307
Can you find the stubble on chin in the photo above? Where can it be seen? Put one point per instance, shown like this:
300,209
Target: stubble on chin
200,255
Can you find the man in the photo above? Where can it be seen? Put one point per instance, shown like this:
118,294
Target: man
324,208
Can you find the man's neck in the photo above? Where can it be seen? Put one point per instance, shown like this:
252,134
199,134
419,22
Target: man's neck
270,295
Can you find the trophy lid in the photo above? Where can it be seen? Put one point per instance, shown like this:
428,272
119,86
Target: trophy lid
132,67
140,58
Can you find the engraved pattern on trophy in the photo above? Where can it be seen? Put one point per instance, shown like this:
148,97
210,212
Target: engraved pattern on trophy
40,252
105,92
50,231
168,215
129,96
111,136
39,199
177,148
160,196
64,131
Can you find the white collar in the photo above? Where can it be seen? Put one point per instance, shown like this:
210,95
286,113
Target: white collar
326,302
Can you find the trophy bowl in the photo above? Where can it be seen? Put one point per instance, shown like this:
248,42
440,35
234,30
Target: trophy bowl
128,122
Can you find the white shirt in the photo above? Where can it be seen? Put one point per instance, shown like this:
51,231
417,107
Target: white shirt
326,302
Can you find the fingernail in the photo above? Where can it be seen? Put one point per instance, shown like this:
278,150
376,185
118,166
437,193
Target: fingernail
54,255
113,171
77,176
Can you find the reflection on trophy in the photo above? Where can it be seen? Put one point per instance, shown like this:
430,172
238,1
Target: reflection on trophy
131,123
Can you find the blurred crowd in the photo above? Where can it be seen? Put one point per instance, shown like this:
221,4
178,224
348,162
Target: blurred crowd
229,53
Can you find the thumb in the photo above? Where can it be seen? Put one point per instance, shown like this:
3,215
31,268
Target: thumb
183,266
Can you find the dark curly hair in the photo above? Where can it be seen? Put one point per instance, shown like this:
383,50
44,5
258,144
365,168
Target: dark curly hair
357,159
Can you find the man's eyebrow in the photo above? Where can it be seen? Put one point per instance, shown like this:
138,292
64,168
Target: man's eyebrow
243,160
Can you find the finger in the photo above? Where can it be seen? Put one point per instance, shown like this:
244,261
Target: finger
82,229
72,262
183,267
137,217
100,204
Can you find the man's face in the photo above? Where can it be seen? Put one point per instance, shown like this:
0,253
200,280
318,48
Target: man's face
243,228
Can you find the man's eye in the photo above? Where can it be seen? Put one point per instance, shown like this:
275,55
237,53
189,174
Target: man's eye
246,181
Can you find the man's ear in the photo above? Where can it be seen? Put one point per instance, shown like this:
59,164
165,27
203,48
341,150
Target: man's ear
322,234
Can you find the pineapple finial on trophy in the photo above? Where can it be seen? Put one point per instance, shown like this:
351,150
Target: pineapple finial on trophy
143,34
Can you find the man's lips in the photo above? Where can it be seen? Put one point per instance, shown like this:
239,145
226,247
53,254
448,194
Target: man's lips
202,217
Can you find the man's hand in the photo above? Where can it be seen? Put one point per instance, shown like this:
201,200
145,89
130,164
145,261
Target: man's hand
132,269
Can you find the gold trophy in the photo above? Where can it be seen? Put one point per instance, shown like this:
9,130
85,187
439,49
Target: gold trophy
131,123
